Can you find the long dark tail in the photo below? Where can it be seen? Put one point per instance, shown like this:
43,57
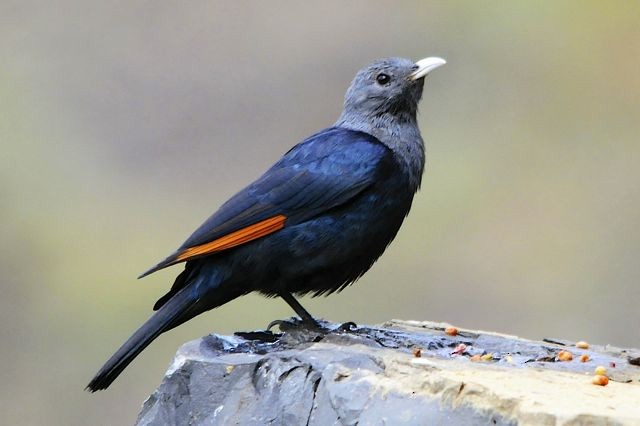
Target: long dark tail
174,312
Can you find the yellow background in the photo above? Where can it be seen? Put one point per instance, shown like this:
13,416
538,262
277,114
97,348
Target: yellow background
125,124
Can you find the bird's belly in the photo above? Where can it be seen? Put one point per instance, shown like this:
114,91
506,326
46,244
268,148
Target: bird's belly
326,253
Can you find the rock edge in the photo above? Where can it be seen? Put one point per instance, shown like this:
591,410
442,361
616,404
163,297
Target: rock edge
371,376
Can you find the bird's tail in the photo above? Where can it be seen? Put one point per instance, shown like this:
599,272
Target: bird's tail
174,312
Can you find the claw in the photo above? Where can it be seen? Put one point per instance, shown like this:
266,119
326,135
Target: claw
288,324
274,323
294,323
347,326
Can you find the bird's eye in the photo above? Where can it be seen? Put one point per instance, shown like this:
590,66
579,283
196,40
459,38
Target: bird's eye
383,79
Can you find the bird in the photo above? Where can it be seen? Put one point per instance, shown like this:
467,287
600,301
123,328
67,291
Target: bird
314,222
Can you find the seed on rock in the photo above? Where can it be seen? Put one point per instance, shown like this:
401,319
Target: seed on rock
565,356
600,371
451,331
459,350
600,380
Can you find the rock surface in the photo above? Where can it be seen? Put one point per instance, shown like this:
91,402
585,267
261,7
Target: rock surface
374,376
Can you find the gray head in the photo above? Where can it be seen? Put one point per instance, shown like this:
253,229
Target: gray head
390,87
383,101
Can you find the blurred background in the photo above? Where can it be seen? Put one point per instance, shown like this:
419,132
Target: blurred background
125,124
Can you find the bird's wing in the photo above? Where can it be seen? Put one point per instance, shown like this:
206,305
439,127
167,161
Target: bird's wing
323,172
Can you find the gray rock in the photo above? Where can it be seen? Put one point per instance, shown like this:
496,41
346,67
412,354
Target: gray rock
369,376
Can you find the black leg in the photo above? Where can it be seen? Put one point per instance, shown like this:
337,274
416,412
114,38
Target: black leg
296,306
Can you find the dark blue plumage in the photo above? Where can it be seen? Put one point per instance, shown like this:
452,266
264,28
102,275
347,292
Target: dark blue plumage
315,221
323,172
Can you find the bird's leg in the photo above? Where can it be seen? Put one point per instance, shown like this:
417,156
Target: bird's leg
306,317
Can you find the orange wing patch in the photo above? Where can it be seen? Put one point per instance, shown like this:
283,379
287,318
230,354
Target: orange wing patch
239,237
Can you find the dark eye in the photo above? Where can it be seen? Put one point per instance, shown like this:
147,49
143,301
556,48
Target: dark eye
383,79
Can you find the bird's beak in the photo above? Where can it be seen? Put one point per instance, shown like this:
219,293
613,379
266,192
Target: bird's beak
425,66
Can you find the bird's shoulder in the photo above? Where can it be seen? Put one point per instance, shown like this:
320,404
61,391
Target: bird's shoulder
336,144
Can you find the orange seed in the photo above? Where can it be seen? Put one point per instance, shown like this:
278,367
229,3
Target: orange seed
600,380
451,331
565,356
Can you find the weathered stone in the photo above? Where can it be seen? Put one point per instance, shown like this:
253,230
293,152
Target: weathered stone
369,376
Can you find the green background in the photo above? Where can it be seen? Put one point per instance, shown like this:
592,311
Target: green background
124,125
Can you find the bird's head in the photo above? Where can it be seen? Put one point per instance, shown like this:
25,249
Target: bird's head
391,86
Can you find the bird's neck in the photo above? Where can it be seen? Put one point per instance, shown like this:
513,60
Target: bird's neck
398,132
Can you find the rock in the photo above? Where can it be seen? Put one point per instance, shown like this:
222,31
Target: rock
372,376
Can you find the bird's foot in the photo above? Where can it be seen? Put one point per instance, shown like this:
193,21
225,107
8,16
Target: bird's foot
298,329
296,324
324,327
